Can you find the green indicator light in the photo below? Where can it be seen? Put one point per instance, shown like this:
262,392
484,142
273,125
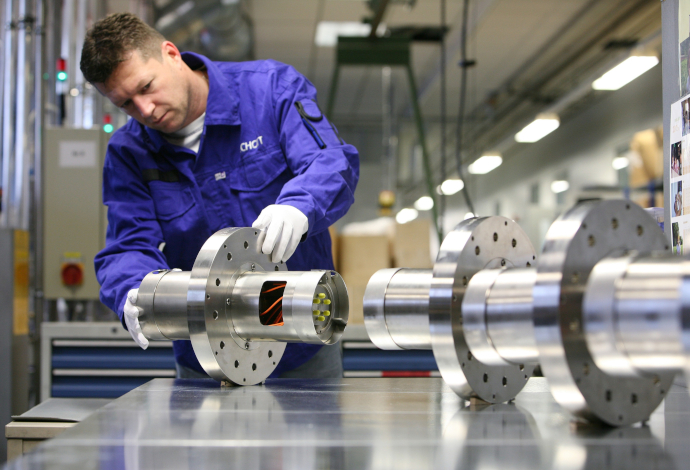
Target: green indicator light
62,76
108,128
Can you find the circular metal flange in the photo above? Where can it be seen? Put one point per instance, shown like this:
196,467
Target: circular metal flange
475,244
574,244
225,256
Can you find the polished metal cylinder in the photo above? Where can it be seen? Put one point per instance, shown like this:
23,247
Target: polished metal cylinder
509,316
311,307
396,308
633,311
162,299
649,306
497,316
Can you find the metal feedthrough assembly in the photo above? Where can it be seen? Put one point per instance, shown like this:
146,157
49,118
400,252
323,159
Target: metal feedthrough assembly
424,309
239,309
604,311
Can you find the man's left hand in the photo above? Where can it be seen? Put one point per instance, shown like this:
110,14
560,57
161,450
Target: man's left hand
284,226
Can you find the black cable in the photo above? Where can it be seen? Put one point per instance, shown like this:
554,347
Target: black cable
461,111
442,199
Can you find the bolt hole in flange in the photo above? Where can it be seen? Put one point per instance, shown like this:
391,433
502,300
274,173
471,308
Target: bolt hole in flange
246,245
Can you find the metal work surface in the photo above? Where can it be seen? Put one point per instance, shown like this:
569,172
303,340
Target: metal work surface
405,423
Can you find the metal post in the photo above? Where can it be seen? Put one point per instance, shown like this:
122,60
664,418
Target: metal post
389,139
8,121
332,92
36,220
6,331
18,213
425,155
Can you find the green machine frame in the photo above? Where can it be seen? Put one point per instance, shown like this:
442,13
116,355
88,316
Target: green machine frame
391,52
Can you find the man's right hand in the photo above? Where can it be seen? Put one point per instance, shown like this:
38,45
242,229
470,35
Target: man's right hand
132,313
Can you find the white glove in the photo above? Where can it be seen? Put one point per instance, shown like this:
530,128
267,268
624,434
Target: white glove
284,226
132,319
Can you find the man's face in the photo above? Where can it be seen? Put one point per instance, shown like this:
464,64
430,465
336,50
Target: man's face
154,92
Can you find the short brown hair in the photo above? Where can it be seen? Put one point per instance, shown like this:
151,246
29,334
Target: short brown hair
109,42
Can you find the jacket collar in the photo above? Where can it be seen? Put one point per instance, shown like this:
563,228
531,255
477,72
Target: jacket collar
222,106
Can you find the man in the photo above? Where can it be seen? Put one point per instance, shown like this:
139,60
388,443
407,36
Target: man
211,145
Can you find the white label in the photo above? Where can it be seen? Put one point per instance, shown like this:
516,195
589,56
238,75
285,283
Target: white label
78,154
220,176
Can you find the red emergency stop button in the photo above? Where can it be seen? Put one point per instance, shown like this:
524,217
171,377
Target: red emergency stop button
72,274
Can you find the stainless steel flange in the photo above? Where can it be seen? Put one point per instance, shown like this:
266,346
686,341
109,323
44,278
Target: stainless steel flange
476,244
238,308
575,243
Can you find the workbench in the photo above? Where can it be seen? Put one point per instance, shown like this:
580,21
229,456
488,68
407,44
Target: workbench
377,423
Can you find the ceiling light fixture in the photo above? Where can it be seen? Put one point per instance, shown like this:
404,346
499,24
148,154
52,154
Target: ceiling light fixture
625,72
485,164
559,186
619,163
543,125
424,203
451,186
406,215
327,32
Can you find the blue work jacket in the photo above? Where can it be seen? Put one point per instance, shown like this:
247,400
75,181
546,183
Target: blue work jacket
263,143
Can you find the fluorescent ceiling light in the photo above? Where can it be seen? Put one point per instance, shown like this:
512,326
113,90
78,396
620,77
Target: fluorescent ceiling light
406,215
327,32
625,72
543,125
166,20
424,203
485,164
450,187
559,186
619,163
469,215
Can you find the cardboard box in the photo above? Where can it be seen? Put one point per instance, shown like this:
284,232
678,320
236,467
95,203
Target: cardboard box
411,246
648,162
360,258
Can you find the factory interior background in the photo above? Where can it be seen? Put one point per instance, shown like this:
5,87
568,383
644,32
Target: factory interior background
496,108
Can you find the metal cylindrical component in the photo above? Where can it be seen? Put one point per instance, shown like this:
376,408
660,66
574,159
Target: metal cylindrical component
633,315
497,316
509,316
163,300
310,307
396,308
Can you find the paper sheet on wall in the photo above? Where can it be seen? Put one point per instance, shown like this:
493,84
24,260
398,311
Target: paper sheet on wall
680,173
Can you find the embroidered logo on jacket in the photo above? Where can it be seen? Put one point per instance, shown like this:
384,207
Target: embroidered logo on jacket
220,176
252,144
